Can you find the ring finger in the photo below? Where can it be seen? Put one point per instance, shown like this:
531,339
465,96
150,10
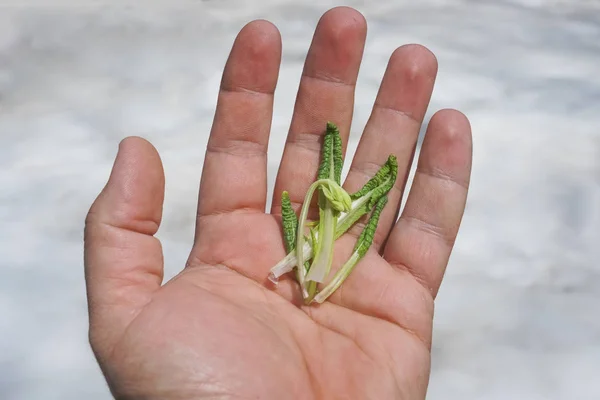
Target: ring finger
393,127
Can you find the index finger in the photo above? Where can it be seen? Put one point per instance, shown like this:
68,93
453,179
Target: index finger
234,176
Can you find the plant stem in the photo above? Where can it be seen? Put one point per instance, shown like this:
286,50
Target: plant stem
362,245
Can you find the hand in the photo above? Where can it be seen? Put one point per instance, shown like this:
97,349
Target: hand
218,329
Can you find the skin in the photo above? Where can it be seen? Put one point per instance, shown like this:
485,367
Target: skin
219,330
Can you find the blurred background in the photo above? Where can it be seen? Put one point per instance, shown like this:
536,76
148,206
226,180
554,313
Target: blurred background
517,316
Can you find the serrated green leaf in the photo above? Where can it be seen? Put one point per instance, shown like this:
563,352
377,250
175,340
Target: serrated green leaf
289,222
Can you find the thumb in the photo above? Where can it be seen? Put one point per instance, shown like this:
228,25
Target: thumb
123,260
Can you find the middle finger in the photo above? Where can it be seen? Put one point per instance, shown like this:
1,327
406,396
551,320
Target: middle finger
326,93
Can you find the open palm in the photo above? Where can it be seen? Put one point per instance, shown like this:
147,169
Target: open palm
219,329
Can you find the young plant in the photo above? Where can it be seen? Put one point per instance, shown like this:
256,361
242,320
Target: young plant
338,211
330,169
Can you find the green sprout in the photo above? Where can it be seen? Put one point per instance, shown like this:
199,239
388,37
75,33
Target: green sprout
338,212
330,169
362,203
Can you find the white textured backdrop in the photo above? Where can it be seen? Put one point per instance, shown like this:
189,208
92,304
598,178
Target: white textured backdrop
518,316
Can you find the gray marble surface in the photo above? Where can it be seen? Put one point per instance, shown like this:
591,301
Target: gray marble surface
517,317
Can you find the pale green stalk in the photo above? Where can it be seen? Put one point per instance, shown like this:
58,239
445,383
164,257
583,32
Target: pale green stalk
330,168
339,200
362,245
